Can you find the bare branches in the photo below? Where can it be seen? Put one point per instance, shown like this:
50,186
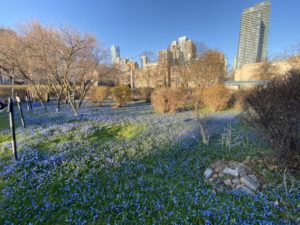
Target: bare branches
62,61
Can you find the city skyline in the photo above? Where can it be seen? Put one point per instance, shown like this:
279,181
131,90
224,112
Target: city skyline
137,26
182,50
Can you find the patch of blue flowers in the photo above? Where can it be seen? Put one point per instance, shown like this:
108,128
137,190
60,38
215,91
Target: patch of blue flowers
152,178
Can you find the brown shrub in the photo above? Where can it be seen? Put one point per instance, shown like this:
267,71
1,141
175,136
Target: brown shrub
145,93
197,98
238,99
216,98
121,94
168,100
99,94
274,110
5,91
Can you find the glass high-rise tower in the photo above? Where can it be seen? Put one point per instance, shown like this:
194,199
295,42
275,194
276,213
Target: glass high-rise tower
254,34
115,53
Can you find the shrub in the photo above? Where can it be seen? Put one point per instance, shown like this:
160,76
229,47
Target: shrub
121,94
168,100
197,98
274,110
145,93
99,94
5,91
216,98
238,99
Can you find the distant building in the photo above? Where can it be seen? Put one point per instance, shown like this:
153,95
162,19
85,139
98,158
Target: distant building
115,53
164,57
144,61
254,34
163,72
182,50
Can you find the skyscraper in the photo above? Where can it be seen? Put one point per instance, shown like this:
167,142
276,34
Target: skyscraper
254,34
183,50
115,53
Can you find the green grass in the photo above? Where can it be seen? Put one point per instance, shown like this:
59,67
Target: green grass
4,137
101,135
116,132
4,120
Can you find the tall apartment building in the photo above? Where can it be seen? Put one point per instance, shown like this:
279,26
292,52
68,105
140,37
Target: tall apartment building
115,53
144,61
182,50
254,34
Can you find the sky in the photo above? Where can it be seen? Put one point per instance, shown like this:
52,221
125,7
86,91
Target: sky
151,25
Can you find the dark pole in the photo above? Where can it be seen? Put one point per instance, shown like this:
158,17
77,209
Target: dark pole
21,111
12,127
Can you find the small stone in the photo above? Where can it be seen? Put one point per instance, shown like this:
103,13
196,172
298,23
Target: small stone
253,177
250,182
241,169
232,172
227,182
236,181
207,173
245,190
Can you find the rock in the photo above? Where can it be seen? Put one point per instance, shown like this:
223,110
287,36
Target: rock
227,182
250,182
232,172
207,173
236,181
253,177
244,189
241,169
218,166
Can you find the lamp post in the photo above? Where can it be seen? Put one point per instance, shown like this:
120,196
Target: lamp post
12,83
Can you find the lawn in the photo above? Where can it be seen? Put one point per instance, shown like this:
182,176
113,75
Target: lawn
133,166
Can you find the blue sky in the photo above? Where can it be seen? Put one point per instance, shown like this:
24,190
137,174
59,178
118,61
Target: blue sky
138,25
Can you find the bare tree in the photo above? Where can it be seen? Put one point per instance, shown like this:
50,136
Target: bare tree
207,69
63,61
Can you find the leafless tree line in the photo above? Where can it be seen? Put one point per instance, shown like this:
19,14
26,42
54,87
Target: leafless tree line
60,61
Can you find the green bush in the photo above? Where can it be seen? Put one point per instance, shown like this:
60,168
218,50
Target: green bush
121,94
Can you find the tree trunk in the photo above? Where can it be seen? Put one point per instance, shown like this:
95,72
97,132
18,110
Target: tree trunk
44,106
72,105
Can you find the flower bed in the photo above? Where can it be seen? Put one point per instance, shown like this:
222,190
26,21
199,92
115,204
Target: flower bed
127,166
